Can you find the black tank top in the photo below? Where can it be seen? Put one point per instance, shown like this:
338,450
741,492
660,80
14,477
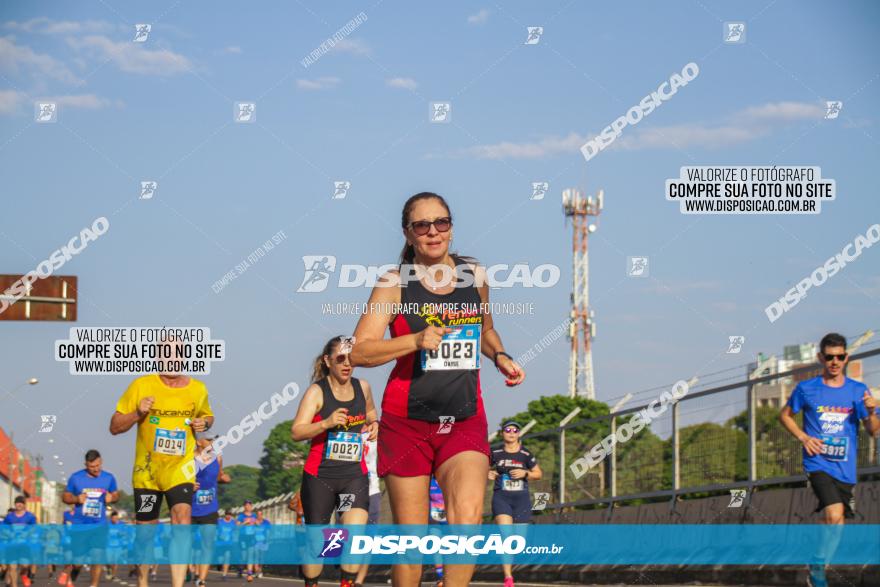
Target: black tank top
338,453
413,392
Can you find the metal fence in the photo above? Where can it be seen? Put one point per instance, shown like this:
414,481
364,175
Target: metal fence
712,440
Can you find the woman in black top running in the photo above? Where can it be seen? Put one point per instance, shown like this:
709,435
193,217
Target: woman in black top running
334,412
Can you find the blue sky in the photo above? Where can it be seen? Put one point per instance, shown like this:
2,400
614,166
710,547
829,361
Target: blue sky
162,110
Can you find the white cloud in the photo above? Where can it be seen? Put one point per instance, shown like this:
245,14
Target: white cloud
133,57
85,101
48,26
232,50
10,100
742,127
784,111
404,83
479,18
532,150
322,83
15,58
353,46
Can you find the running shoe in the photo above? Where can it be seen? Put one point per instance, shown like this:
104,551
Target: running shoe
62,578
200,583
70,584
508,581
26,581
816,576
250,578
260,575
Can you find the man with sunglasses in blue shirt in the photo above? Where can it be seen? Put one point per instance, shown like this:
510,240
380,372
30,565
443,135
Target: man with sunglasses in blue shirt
833,405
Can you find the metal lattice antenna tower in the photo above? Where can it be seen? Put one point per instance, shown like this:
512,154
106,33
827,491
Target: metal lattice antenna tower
583,325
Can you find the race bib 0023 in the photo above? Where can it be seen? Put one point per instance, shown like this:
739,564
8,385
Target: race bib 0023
170,442
344,446
459,349
834,448
508,484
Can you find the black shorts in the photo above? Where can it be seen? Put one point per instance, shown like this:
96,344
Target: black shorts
516,504
321,497
831,491
148,502
206,519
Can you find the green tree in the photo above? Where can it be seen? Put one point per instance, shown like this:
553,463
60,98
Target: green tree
243,484
281,462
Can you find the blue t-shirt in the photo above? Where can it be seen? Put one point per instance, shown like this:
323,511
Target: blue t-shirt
205,497
832,415
248,521
225,531
19,535
93,511
68,517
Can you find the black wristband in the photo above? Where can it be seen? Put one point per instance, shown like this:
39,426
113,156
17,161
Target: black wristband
501,353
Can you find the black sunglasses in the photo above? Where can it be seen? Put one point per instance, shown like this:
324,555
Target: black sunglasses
841,357
510,429
423,227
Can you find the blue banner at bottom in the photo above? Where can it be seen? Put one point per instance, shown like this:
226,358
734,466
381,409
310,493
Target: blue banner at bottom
679,544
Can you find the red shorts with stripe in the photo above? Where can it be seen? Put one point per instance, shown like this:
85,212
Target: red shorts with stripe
410,448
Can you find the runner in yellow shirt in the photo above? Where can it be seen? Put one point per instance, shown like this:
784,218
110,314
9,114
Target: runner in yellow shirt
168,408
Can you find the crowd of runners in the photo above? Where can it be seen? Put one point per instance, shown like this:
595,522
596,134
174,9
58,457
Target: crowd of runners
430,445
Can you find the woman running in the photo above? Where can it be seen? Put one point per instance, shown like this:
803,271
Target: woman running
434,387
205,503
512,468
334,411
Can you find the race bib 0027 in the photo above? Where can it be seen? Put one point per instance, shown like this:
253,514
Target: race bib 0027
170,442
344,446
459,349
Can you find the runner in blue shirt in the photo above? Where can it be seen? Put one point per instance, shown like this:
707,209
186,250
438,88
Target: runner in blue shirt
832,405
262,542
225,540
17,547
205,505
247,536
89,490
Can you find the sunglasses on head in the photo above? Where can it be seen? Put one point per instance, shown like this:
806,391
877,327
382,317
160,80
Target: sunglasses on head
510,429
423,227
840,357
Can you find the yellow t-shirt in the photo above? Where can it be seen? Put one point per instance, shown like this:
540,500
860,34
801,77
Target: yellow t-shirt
164,441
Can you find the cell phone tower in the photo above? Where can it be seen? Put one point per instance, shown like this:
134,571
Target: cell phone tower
582,328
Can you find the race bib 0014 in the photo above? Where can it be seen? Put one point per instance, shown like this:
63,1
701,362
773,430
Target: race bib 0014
834,448
344,446
459,349
170,442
